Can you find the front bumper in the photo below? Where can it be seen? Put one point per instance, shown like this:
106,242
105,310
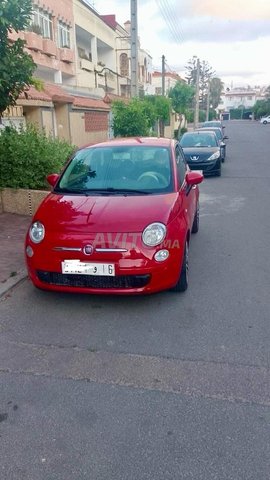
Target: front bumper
207,167
135,271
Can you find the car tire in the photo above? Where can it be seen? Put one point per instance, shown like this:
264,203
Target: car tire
196,221
265,122
182,283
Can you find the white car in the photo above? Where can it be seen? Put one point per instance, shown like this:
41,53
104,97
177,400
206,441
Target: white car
265,120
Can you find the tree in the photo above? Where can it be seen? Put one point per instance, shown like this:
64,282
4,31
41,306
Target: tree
216,89
162,109
138,116
261,108
267,93
191,71
182,96
132,119
16,66
205,74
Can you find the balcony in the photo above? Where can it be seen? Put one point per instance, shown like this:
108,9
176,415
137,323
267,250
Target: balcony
13,36
34,41
111,81
86,65
49,47
66,55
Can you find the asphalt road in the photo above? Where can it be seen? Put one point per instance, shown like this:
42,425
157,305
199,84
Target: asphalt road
163,387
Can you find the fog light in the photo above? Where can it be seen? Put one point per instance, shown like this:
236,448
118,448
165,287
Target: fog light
161,255
29,251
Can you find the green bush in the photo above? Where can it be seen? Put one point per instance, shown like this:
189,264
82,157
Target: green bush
28,156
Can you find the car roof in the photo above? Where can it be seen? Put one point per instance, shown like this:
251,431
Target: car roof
210,128
200,131
134,141
212,121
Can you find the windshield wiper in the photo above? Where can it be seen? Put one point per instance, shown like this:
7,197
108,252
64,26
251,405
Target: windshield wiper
109,190
124,190
100,191
70,191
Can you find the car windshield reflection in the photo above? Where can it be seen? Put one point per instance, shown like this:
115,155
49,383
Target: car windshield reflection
198,140
118,170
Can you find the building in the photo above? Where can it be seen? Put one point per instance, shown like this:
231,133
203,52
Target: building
82,57
170,80
239,98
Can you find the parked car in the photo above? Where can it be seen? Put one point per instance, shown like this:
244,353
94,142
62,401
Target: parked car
265,120
213,123
118,220
202,152
220,136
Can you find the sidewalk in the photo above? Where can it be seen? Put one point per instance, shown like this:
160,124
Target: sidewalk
13,229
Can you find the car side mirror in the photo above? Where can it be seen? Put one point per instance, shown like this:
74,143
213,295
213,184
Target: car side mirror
52,179
194,177
225,138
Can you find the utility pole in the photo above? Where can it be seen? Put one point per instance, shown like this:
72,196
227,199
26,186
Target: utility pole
208,101
134,48
197,96
163,76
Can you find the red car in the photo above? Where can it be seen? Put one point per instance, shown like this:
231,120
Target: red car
118,220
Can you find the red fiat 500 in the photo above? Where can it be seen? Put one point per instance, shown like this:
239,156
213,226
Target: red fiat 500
118,220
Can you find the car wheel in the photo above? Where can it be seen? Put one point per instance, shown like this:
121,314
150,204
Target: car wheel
196,221
265,122
182,283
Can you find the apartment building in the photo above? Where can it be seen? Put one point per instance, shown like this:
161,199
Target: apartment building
170,80
83,59
239,97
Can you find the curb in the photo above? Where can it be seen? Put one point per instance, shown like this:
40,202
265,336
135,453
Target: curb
11,282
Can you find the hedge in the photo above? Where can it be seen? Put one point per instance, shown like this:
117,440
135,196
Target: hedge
28,156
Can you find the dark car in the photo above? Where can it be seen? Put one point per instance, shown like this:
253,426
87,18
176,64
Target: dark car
202,152
220,136
213,123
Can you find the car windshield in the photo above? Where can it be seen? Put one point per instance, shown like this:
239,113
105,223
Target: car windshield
190,140
217,132
118,170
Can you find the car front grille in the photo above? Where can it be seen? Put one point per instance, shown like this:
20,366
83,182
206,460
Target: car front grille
90,281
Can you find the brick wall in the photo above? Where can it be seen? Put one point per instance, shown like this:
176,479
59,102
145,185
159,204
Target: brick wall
96,121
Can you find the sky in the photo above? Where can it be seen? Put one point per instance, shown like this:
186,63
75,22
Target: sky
233,36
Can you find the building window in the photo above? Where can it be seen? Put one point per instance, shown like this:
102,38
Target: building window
124,70
63,35
84,54
41,23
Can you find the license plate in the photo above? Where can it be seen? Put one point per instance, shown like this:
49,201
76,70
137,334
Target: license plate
85,268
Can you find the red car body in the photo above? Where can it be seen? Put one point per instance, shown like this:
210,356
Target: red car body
99,230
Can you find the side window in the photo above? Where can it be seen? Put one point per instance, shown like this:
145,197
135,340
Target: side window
180,165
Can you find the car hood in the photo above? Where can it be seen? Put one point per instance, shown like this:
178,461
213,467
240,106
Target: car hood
202,152
105,213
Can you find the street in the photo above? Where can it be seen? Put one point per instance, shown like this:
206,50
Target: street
163,387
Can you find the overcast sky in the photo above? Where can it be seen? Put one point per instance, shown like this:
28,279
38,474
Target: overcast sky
232,35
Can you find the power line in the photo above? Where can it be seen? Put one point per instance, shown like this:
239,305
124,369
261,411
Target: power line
169,18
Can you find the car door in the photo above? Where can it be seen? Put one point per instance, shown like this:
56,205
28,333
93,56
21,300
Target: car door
189,194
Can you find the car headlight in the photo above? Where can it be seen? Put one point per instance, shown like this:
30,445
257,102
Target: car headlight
214,156
37,232
154,234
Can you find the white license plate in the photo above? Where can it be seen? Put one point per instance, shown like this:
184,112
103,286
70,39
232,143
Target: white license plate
85,268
